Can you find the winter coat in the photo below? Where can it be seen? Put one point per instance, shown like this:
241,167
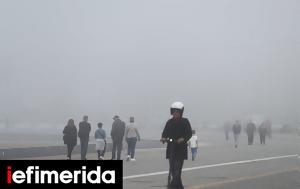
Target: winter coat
262,129
250,128
236,129
117,130
174,130
84,130
70,135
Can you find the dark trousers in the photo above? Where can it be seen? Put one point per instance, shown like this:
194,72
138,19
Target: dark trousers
175,170
70,149
117,146
262,138
131,142
250,138
84,143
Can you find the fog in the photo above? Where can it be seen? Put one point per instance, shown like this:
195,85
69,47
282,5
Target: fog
224,60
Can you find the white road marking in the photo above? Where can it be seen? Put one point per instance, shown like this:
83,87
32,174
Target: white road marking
164,148
210,166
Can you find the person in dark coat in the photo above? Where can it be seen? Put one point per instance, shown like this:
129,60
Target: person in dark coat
250,132
117,135
236,129
70,137
176,133
83,134
262,133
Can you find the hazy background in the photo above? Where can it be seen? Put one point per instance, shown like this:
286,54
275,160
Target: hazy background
224,59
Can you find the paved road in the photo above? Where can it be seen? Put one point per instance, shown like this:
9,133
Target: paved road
219,164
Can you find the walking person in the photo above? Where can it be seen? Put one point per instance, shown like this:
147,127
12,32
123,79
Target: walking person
70,137
262,133
236,132
132,136
83,134
117,135
250,132
193,143
100,137
177,133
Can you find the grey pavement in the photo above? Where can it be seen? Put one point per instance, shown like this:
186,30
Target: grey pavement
218,165
264,173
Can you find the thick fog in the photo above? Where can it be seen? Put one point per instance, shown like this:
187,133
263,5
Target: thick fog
224,60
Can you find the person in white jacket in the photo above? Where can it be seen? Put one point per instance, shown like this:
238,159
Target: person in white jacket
193,143
132,136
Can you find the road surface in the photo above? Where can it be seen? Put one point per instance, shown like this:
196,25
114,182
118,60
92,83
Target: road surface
218,165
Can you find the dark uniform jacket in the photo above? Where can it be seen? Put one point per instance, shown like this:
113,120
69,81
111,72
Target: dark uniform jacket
174,130
70,135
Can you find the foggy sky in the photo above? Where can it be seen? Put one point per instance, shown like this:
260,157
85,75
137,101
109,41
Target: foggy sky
224,60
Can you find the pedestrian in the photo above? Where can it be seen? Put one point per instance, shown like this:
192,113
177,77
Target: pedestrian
250,132
262,133
100,136
193,143
236,132
177,133
132,136
70,137
83,134
117,135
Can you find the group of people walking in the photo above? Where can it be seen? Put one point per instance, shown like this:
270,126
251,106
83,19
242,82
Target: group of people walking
264,130
177,133
119,130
